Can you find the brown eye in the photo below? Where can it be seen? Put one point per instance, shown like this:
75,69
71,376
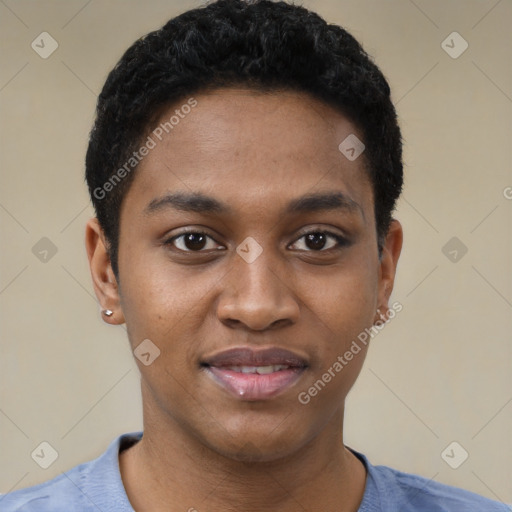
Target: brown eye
319,241
192,241
315,241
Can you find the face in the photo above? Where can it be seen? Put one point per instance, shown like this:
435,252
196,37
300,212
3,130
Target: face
248,257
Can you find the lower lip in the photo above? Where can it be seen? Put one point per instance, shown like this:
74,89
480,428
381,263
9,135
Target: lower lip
253,386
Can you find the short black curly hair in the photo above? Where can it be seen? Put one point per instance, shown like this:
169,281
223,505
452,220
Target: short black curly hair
261,44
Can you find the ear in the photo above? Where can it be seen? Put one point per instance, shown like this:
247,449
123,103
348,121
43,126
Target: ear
388,263
103,278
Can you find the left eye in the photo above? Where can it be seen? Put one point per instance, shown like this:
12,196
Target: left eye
319,240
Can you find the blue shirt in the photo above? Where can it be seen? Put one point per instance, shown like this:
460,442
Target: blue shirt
97,486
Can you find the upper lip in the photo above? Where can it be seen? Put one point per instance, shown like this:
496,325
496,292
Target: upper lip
248,356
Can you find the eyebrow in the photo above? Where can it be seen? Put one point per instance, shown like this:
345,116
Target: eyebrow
200,203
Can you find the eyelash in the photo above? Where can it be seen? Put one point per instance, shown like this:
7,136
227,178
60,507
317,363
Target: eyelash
340,240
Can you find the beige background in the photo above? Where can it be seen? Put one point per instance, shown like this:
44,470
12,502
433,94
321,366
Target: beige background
439,372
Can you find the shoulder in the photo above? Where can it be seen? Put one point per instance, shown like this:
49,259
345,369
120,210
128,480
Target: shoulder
406,492
86,487
48,496
419,493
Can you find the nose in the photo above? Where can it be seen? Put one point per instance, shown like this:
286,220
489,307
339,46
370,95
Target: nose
257,296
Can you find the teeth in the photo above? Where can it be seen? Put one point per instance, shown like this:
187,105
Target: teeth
260,370
263,370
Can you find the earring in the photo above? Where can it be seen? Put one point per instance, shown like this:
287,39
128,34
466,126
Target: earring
382,317
107,312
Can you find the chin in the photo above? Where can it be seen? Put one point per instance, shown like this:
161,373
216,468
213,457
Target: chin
250,452
251,444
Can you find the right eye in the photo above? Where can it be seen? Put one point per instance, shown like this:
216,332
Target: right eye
192,241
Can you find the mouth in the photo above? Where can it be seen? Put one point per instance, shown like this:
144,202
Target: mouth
253,375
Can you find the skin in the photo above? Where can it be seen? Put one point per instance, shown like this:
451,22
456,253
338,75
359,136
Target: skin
202,447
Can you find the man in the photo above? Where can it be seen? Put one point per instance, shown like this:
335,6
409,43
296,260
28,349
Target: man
244,167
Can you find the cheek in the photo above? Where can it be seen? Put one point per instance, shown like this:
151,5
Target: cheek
340,316
346,301
158,302
342,308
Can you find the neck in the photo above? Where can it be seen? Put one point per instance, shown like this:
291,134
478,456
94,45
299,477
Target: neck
171,470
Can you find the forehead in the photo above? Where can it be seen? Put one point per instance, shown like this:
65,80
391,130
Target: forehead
249,147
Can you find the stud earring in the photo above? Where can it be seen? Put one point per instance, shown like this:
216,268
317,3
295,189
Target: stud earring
107,312
382,317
